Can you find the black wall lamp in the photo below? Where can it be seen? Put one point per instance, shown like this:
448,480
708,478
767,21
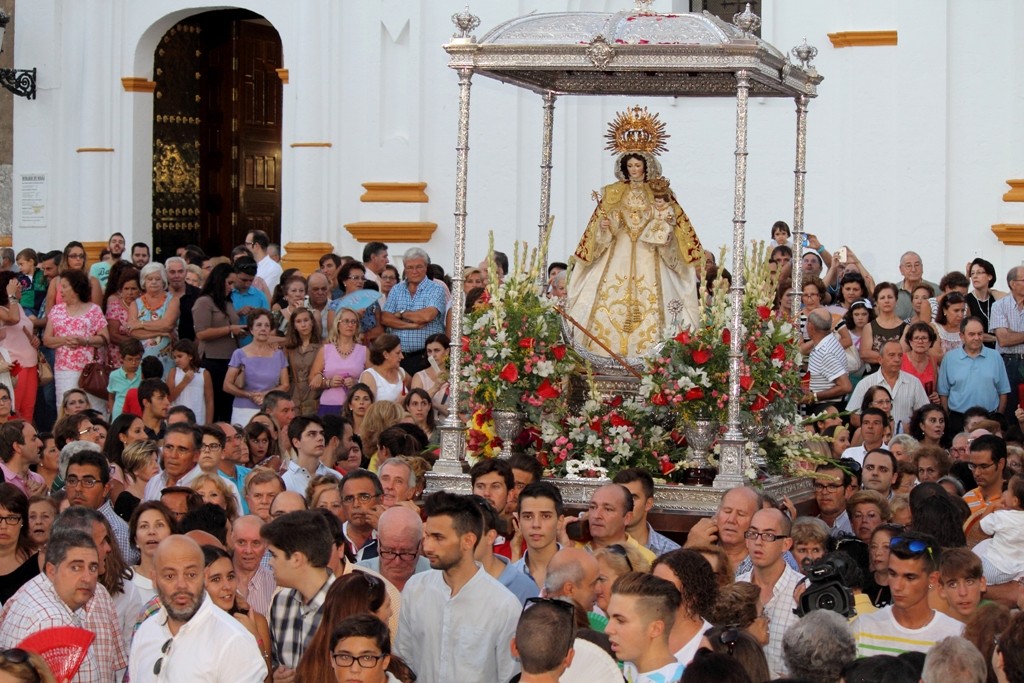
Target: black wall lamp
21,82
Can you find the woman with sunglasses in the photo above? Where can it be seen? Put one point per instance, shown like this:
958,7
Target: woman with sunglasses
352,594
22,666
741,646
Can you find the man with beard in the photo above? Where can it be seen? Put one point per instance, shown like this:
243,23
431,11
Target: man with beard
140,254
101,269
476,608
214,646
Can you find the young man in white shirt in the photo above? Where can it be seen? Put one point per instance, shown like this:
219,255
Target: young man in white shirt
641,613
306,437
475,607
909,624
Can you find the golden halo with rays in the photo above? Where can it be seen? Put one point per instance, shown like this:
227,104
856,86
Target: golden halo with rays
636,130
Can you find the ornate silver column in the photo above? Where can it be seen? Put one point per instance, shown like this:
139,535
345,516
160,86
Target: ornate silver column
731,459
453,429
799,179
545,182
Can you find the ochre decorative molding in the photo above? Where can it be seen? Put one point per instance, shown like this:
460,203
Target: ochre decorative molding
1016,192
137,84
305,255
82,150
1011,234
92,251
312,144
395,192
283,75
6,241
862,38
391,231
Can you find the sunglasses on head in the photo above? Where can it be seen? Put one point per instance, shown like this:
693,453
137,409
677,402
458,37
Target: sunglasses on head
620,550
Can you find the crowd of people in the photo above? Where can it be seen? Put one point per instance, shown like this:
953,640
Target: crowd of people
217,466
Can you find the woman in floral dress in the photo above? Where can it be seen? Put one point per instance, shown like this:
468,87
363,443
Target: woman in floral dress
77,330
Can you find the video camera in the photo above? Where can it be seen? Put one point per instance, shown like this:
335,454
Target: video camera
827,590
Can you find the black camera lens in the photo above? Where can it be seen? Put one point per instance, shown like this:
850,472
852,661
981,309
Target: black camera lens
826,601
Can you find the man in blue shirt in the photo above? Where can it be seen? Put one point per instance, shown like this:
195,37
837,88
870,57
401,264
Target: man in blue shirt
246,298
415,309
972,375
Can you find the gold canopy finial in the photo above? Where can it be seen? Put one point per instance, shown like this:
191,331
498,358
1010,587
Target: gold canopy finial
636,130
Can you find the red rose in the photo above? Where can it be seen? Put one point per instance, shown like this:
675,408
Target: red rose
763,312
667,466
509,373
526,343
465,344
779,352
751,349
746,381
694,394
726,336
547,390
595,425
617,420
701,356
558,351
615,402
683,337
759,404
659,399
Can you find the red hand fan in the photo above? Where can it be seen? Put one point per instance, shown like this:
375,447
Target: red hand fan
64,648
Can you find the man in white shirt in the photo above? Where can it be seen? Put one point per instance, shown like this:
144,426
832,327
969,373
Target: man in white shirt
909,624
375,257
767,539
880,471
872,429
267,268
832,486
306,435
190,638
906,391
641,612
457,621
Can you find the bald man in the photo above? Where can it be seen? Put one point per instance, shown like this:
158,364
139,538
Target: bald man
572,573
215,647
285,502
399,538
248,550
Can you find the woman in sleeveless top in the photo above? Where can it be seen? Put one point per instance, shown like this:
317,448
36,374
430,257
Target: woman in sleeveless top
885,327
154,317
302,345
385,377
338,363
947,324
979,302
190,385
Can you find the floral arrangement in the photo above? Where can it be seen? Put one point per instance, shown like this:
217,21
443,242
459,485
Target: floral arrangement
689,376
515,358
609,436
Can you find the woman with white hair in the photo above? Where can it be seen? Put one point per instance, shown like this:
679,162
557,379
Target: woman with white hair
154,317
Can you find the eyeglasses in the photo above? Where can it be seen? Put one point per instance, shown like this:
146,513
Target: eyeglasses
15,656
5,399
165,650
388,278
344,660
620,550
766,536
982,466
729,637
179,450
563,605
914,545
84,482
11,520
831,488
87,430
388,554
361,497
357,278
882,402
207,447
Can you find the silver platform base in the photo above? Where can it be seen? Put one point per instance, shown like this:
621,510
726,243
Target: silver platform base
699,500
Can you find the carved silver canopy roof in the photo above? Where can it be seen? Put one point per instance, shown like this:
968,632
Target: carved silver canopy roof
631,53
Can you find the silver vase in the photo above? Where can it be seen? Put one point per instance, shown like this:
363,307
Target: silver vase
700,434
508,424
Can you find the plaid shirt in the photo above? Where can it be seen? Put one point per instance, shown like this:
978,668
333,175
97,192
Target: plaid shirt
121,534
293,622
261,589
659,544
429,294
780,612
36,606
1006,314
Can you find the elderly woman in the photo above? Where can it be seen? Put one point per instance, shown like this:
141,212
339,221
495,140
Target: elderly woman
979,301
76,328
473,278
154,317
127,290
384,375
918,360
739,604
818,646
932,463
612,562
351,279
867,510
904,447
